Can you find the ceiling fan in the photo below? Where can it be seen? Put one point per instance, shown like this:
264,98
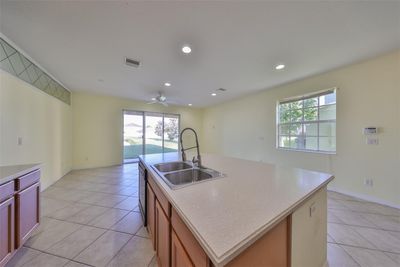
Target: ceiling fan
160,99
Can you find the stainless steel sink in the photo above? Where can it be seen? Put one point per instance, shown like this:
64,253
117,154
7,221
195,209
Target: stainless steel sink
177,175
172,166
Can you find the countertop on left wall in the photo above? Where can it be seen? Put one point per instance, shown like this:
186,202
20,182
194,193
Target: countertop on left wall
8,173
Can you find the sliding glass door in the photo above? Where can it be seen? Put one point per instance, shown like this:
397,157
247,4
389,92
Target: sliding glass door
153,133
149,133
133,134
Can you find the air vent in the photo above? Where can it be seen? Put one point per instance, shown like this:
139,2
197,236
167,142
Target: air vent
132,62
221,89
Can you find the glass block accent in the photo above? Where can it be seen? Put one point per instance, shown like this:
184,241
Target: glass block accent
18,65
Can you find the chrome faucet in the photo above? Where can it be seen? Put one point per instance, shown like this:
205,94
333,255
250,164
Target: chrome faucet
194,160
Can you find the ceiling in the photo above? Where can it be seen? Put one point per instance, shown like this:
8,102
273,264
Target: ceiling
235,45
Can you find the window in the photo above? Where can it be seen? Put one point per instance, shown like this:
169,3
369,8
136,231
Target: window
308,123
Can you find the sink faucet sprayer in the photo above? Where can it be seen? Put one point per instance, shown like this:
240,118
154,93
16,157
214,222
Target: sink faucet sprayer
194,160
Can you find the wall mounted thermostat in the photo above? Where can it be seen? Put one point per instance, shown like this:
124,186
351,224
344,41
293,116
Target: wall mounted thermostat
370,130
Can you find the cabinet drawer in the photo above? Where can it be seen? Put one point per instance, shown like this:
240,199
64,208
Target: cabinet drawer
6,191
159,195
27,180
192,247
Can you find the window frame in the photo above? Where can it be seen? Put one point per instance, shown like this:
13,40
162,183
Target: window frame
302,122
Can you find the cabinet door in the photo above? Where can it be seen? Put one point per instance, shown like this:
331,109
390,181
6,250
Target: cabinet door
6,230
151,226
179,257
162,233
27,213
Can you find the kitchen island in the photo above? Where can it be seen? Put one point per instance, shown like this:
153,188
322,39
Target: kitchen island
257,214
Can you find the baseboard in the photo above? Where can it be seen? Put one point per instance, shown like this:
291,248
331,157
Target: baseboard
364,197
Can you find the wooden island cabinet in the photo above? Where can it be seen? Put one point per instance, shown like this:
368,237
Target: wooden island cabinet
291,241
173,242
19,207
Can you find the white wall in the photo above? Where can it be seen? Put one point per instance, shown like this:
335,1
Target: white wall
368,95
43,122
98,127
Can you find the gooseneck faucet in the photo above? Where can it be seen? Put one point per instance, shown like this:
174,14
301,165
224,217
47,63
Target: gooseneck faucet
194,160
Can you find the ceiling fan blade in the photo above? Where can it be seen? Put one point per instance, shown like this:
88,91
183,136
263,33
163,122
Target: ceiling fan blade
164,103
152,102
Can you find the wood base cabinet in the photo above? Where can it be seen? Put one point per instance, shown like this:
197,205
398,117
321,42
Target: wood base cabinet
179,257
27,213
162,236
6,230
151,227
19,211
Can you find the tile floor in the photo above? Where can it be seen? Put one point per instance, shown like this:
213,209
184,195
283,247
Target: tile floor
91,218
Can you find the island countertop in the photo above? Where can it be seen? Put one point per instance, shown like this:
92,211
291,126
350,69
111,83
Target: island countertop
228,214
8,173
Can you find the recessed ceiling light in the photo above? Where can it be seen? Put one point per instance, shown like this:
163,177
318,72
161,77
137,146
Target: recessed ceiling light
189,105
167,84
280,67
213,94
186,49
154,99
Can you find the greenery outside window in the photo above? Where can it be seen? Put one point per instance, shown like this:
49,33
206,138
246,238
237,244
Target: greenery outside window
308,123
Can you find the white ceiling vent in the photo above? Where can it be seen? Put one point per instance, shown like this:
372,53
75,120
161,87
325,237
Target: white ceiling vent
132,62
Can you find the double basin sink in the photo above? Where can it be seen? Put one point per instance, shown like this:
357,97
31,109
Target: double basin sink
181,173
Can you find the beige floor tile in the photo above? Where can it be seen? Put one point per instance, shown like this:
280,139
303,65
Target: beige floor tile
102,199
73,244
336,195
55,192
22,256
68,211
369,207
142,232
87,215
137,209
46,260
380,239
351,218
396,234
128,204
394,257
111,201
109,218
332,218
369,258
75,195
335,204
337,257
137,252
50,205
93,198
153,262
130,224
50,236
344,234
45,224
383,221
75,264
103,249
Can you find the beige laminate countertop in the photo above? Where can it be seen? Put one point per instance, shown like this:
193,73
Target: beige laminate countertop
227,215
8,173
